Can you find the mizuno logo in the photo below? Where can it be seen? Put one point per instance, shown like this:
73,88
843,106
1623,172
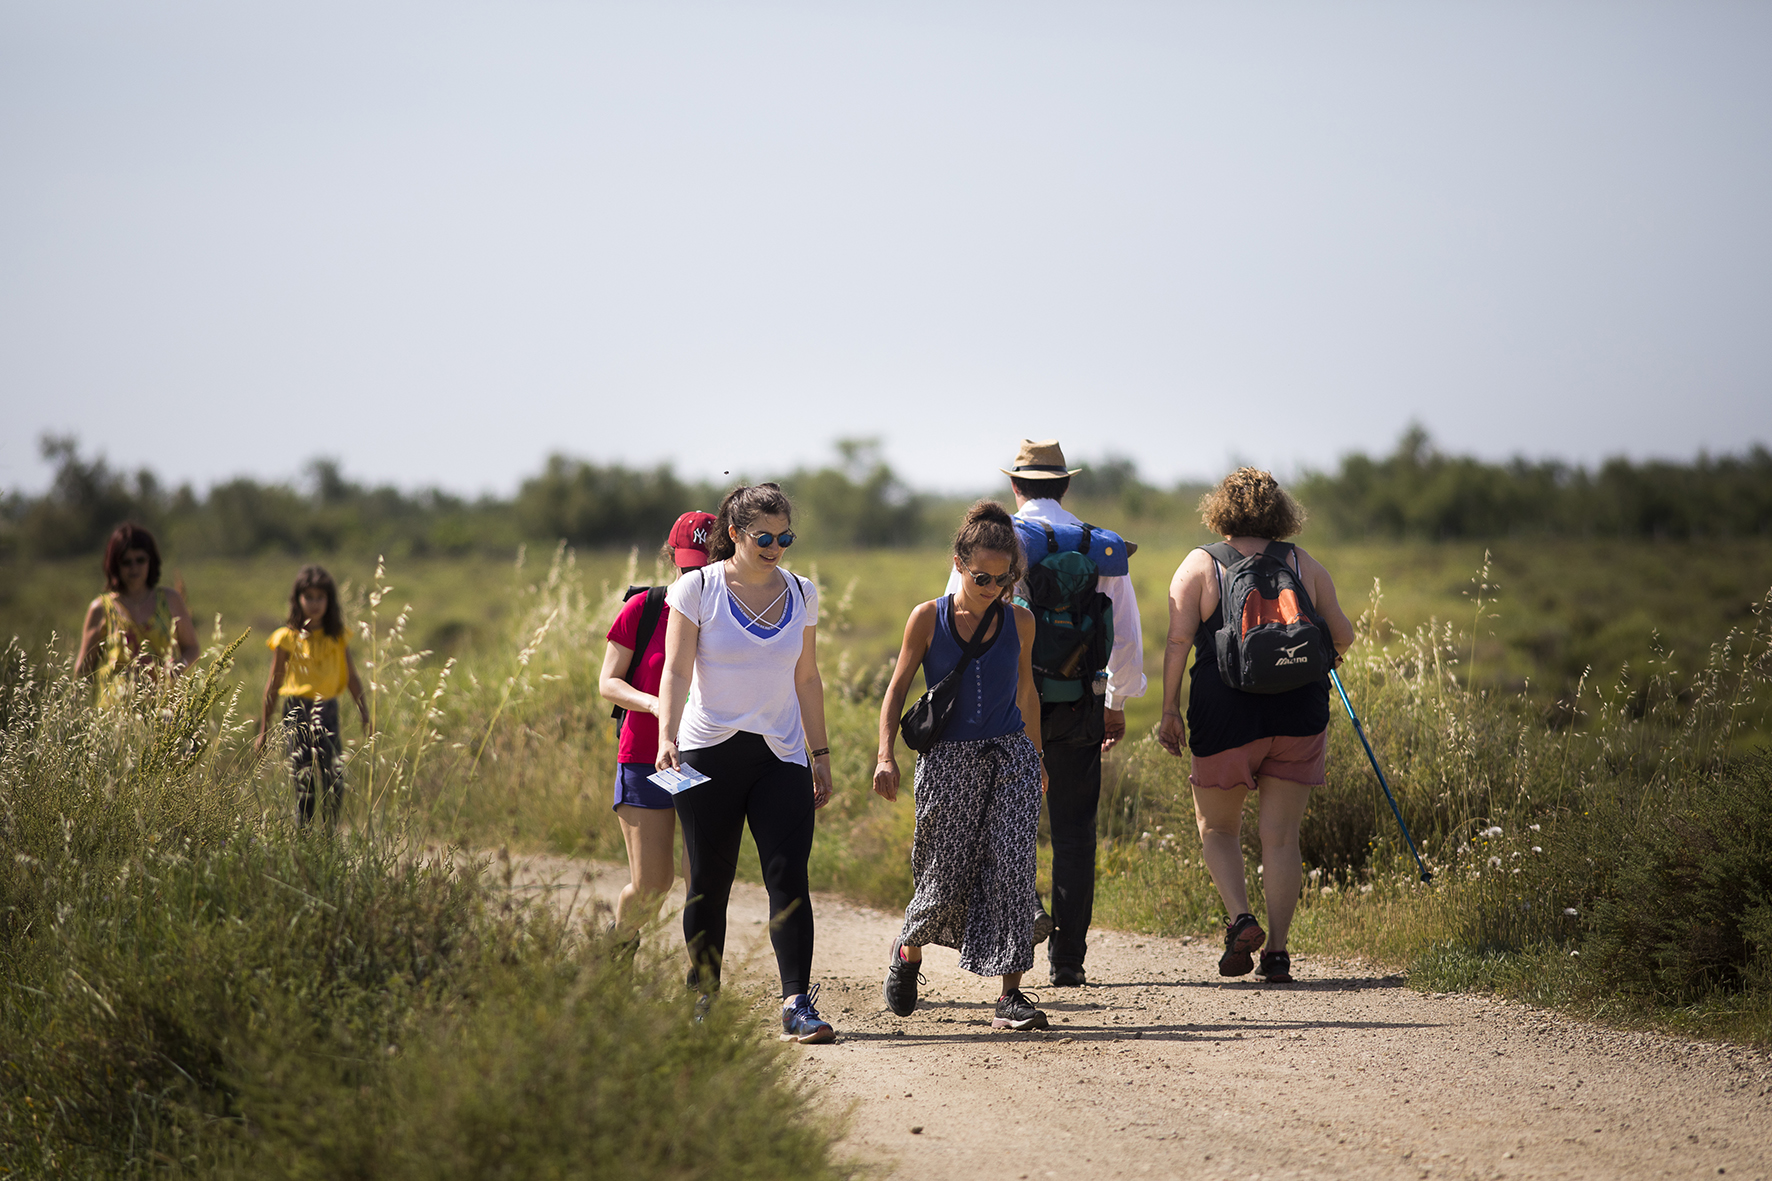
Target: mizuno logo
1290,651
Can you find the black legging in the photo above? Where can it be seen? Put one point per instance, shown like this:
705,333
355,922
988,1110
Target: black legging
315,750
748,783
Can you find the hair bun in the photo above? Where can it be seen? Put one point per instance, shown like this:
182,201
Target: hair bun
989,510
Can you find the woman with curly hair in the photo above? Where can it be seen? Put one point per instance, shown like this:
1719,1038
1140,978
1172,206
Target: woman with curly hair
1274,744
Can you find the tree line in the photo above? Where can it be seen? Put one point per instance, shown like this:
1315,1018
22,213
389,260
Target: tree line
1419,491
1416,492
857,501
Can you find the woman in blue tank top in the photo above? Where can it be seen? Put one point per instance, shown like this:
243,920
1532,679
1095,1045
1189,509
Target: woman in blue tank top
978,789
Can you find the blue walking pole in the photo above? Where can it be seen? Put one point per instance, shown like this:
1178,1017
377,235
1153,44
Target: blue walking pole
1427,874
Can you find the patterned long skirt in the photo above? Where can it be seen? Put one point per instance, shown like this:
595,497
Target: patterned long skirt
972,858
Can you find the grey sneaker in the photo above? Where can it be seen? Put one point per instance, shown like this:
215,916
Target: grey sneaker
902,978
801,1023
1015,1010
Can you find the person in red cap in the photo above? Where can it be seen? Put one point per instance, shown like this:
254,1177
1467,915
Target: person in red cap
647,814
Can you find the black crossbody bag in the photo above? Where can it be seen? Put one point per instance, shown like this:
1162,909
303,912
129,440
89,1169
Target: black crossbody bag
923,723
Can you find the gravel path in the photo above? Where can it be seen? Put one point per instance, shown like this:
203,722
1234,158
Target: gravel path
1158,1069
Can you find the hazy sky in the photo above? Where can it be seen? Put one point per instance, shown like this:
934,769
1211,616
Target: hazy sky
438,241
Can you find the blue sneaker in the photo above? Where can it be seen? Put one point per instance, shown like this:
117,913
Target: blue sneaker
801,1023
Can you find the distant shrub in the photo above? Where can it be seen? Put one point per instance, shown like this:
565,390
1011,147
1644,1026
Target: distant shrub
1686,904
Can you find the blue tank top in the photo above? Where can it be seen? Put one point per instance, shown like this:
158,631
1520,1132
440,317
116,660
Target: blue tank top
985,706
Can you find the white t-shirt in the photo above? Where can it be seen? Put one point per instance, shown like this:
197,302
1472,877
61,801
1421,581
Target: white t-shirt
744,673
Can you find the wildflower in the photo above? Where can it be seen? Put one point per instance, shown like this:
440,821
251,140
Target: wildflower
1575,955
1570,911
1533,827
1495,861
1492,831
1537,849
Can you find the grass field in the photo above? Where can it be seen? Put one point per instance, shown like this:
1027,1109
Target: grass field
1609,694
1551,611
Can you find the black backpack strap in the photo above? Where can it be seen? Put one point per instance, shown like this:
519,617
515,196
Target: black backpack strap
1051,540
649,616
1088,536
1224,556
1224,553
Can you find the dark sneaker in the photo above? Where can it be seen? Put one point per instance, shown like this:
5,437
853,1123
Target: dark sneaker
1276,967
1015,1010
802,1024
902,978
1043,926
703,1003
1067,976
1240,938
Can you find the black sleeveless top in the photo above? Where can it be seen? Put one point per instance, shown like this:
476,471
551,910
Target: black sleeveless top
1220,717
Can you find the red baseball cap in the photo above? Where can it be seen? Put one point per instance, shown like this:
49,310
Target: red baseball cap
689,538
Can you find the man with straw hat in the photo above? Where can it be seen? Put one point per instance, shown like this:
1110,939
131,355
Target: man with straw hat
1079,730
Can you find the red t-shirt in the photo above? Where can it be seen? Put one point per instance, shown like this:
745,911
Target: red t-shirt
639,730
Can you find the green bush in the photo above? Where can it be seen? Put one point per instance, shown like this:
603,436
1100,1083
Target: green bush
194,986
1686,907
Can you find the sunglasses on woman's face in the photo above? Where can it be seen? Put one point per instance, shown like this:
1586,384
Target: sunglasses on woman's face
764,540
981,579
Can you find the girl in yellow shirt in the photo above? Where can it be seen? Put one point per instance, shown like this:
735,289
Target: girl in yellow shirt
310,666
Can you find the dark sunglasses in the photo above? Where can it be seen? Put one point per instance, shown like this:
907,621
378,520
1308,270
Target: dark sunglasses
980,579
764,540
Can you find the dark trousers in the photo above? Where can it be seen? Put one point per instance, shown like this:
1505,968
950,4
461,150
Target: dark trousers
315,750
1072,740
749,785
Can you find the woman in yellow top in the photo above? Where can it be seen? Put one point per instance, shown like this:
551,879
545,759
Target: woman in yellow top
137,628
310,666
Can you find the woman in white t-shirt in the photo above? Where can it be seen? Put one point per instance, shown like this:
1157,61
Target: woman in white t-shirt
744,630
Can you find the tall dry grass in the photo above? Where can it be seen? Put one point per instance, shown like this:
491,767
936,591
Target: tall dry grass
195,986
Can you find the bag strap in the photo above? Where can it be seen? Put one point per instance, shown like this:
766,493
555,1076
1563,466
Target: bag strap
1088,540
649,616
1051,540
650,612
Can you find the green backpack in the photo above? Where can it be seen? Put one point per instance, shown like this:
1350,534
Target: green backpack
1073,619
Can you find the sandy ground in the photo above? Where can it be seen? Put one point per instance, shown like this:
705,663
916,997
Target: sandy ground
1159,1069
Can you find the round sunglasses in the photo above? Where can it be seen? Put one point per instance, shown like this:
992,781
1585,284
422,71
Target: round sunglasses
764,540
981,579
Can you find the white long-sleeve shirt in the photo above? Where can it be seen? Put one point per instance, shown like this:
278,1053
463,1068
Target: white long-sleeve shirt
1125,668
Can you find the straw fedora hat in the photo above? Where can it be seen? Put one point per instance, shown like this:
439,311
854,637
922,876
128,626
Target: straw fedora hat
1039,461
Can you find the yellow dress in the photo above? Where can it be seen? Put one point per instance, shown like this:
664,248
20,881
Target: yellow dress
132,648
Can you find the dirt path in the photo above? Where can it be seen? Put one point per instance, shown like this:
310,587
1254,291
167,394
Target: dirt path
1160,1070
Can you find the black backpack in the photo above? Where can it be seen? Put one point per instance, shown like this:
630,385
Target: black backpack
1073,618
649,615
1272,640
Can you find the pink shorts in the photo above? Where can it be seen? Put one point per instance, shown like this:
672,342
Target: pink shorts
1296,760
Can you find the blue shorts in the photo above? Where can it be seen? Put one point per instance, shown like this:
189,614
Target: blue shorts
632,787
